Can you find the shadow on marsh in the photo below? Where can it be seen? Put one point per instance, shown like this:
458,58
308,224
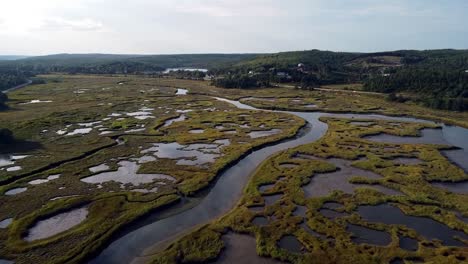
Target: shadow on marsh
19,146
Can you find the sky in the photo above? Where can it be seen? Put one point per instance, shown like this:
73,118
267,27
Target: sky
39,27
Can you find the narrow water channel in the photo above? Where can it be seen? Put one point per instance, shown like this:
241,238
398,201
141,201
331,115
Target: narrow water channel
228,189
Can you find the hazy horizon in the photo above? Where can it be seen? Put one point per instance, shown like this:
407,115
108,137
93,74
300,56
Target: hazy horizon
144,27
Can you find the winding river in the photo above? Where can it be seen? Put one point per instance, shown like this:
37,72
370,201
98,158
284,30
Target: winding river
222,197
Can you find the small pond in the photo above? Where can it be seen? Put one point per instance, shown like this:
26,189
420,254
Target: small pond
15,191
5,222
264,133
366,235
241,249
126,174
427,227
57,224
290,243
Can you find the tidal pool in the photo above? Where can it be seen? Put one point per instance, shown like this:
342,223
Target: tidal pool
80,131
265,187
181,91
99,168
196,131
48,179
271,199
455,187
428,136
407,161
241,249
362,123
300,211
192,154
5,222
408,243
174,120
332,214
14,168
266,99
427,227
8,160
15,191
366,235
37,102
260,221
322,184
264,133
56,224
290,243
126,174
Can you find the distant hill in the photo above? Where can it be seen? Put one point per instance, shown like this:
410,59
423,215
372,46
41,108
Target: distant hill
151,61
11,57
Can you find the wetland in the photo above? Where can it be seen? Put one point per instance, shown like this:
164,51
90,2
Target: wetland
177,174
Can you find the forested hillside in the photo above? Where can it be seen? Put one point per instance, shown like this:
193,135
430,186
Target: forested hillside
10,77
440,78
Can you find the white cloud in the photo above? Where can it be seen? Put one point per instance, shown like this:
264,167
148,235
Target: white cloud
85,24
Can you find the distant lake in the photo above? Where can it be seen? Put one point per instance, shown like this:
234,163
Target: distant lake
168,70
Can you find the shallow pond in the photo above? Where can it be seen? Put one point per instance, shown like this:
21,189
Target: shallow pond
260,221
196,131
48,179
323,183
428,136
366,235
271,199
361,123
57,224
182,91
264,133
407,161
241,249
174,120
99,168
332,214
15,191
5,222
408,243
126,174
427,227
8,160
290,243
192,154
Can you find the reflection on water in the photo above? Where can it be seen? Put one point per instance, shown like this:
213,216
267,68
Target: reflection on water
290,243
15,191
5,222
366,235
241,249
323,183
264,133
57,224
192,154
126,174
428,136
174,120
48,179
429,228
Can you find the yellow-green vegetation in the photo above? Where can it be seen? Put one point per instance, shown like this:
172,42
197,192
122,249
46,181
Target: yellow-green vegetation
330,242
82,122
340,102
